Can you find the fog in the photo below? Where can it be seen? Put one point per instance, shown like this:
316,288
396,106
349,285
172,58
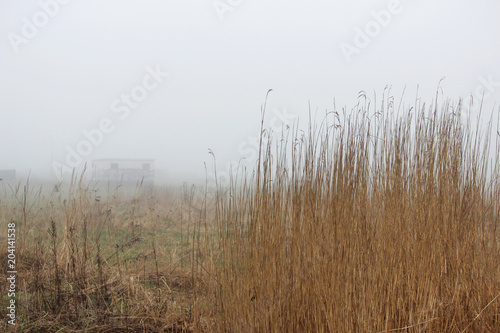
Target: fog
173,80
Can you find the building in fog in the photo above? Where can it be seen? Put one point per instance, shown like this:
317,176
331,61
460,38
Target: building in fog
8,175
124,171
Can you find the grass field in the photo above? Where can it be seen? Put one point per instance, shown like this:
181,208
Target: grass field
364,223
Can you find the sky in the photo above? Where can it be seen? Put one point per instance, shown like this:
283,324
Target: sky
173,80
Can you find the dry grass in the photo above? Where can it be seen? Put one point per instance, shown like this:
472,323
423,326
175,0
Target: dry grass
104,263
368,224
377,224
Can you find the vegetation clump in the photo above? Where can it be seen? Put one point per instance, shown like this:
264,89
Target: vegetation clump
368,222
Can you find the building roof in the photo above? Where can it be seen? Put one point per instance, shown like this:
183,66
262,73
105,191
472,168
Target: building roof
123,160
